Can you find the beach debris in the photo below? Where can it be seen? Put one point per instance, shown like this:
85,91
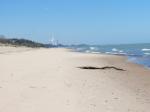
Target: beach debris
103,68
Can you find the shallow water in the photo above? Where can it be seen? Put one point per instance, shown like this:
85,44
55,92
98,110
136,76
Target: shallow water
137,53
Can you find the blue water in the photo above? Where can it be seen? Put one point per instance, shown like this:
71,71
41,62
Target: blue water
137,53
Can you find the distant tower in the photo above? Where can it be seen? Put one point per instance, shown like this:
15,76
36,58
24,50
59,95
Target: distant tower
57,42
52,40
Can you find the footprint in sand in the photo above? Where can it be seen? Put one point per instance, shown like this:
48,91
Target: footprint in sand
68,102
106,101
33,87
68,84
43,87
11,74
116,98
93,105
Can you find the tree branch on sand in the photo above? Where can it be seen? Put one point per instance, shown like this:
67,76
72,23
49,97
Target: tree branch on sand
103,68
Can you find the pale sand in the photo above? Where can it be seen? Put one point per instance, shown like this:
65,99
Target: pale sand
48,80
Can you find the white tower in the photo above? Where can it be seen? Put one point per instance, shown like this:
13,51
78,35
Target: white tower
52,40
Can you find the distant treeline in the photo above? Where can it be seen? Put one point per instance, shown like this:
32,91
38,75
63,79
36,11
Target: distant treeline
20,42
24,42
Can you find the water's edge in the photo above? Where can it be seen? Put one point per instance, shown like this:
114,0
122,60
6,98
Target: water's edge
136,53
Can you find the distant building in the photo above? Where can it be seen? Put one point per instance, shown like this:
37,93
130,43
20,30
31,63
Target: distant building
53,42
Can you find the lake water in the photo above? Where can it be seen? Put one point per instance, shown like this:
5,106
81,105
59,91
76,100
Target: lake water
137,53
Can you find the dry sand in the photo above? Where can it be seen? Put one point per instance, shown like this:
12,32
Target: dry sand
48,80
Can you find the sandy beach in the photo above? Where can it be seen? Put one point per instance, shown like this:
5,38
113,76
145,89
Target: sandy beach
49,80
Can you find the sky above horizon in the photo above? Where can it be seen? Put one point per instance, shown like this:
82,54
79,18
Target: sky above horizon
77,21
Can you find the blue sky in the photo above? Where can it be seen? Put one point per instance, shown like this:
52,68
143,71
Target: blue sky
77,21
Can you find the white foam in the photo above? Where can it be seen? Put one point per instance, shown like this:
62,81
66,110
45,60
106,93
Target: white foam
114,49
108,52
145,49
121,51
96,52
87,51
92,48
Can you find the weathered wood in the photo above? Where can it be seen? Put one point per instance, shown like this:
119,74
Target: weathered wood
103,68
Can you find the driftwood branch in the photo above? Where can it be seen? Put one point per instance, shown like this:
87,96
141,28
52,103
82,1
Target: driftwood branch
103,68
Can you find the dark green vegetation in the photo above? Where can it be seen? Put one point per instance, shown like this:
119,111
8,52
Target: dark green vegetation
21,42
24,42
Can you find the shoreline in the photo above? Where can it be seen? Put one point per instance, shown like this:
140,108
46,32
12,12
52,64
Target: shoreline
51,80
123,56
24,49
19,49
